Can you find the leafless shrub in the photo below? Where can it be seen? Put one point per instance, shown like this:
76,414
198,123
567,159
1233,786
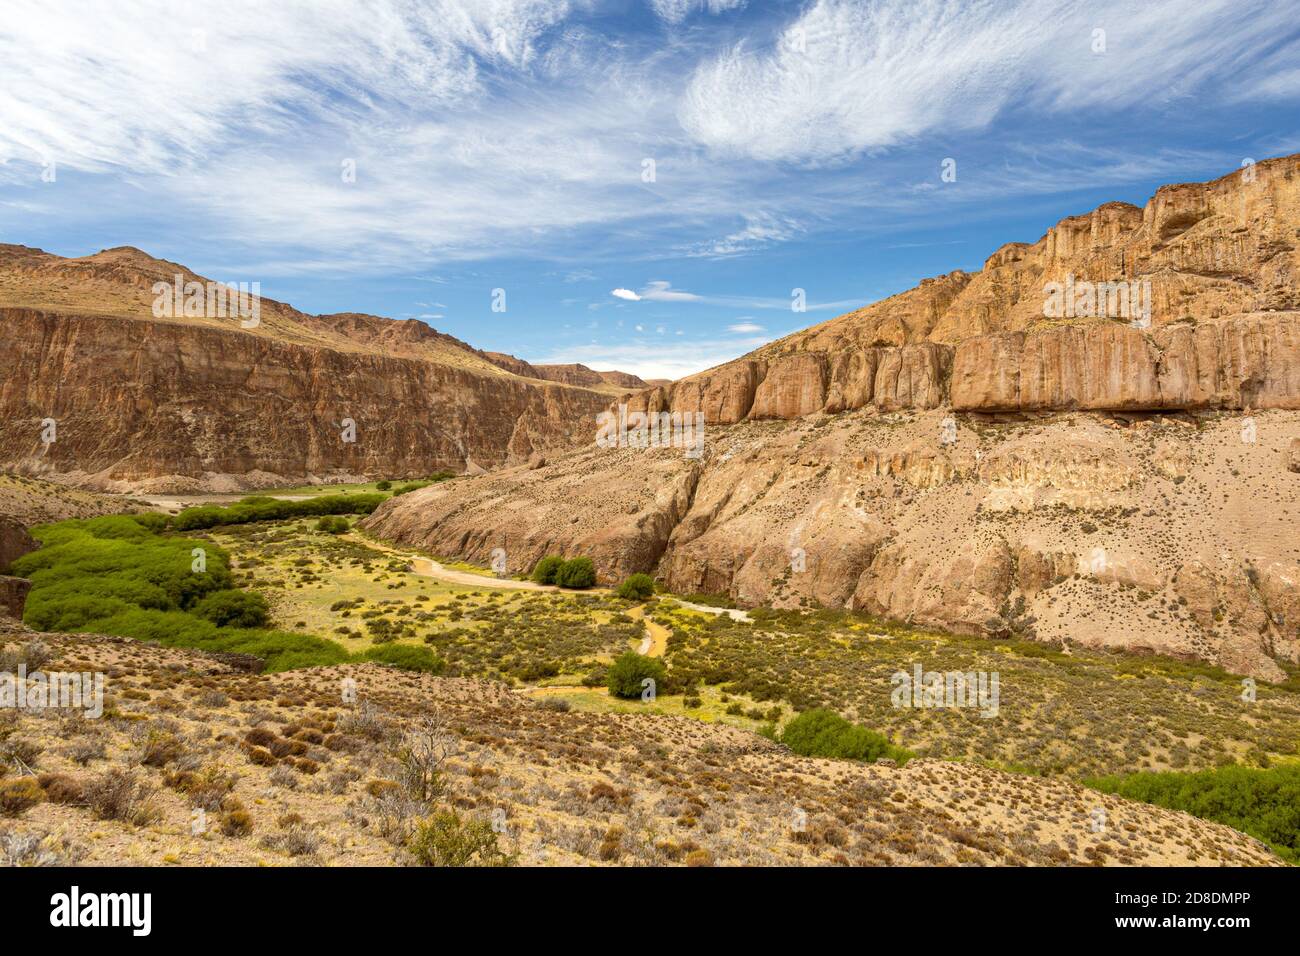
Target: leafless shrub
27,849
82,750
212,698
118,795
423,752
35,654
282,776
20,752
367,720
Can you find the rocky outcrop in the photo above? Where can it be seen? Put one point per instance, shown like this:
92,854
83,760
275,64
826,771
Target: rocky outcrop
571,374
1243,362
1247,362
13,596
14,542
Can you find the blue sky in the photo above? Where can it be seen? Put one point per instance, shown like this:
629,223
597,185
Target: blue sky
504,144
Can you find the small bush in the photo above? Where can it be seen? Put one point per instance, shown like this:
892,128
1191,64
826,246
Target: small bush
544,570
60,788
629,670
332,524
576,573
445,839
824,733
637,587
234,609
159,748
19,795
237,823
117,795
383,485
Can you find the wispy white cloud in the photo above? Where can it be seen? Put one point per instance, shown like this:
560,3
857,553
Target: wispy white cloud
497,128
675,11
848,76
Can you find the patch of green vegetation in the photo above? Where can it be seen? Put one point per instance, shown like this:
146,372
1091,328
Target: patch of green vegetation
824,733
257,508
576,574
364,487
340,585
1264,803
1076,714
125,575
637,587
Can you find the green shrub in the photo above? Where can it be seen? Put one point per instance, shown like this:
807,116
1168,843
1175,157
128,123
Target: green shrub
234,609
824,733
332,524
637,587
407,656
544,570
444,839
629,670
1263,803
576,573
383,485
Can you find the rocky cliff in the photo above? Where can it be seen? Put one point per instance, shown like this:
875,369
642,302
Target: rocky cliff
96,390
1190,302
954,457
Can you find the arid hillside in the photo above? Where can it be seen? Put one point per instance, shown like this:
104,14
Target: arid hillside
193,402
196,762
952,456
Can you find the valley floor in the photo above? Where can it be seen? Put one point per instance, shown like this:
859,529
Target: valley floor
289,768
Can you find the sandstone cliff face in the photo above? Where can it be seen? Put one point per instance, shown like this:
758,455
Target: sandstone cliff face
197,402
156,405
1219,260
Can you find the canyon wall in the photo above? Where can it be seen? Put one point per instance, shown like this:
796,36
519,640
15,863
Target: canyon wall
156,405
949,456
